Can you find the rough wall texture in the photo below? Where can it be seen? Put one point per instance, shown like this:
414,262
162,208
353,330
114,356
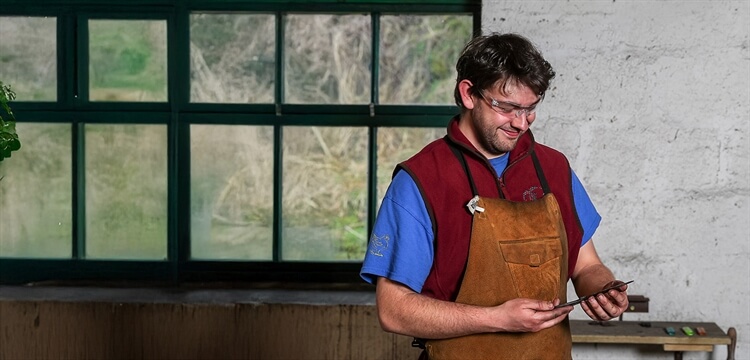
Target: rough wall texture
652,105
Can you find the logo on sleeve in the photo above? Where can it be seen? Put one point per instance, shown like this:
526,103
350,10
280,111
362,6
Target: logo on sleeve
379,244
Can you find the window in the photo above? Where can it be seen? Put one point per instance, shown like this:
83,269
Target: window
214,141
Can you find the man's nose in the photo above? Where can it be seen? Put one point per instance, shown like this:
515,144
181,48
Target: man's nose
521,121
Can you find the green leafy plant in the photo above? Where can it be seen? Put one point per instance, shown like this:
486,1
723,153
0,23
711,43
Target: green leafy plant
8,137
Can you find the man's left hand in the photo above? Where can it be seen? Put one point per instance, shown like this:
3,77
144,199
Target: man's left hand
609,305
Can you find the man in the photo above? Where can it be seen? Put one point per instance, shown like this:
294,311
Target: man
480,231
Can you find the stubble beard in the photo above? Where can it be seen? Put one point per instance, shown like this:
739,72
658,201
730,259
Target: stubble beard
492,138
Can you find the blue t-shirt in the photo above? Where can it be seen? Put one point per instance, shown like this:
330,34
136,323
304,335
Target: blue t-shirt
401,244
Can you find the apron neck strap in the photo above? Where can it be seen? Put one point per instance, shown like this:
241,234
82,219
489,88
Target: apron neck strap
540,173
462,160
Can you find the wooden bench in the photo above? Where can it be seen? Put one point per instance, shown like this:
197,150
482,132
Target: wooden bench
652,332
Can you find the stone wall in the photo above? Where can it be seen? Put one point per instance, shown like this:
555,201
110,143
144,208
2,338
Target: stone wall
652,105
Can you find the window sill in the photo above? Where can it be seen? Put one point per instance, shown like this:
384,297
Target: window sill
216,294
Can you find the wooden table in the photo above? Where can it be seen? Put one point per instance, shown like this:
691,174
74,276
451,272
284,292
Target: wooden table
633,332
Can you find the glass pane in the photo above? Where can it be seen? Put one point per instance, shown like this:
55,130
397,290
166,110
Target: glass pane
232,58
418,56
327,59
126,191
128,60
28,57
324,193
231,199
35,194
397,144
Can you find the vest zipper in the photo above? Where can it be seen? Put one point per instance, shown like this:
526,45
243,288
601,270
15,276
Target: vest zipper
501,178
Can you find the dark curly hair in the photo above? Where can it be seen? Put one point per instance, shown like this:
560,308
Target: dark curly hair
501,59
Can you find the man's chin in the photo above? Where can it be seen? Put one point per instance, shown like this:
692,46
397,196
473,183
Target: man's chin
504,147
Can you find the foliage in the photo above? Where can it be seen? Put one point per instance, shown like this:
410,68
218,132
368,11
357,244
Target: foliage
128,55
352,235
36,217
8,138
327,60
28,56
127,60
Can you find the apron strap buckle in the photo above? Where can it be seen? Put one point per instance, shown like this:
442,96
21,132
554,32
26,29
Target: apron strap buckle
472,205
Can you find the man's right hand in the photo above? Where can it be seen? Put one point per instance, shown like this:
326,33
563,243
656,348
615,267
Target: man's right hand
528,315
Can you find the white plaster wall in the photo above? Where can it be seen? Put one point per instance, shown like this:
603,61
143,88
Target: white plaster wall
652,105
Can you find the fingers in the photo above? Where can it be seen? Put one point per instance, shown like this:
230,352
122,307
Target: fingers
557,316
551,315
622,288
608,305
534,315
538,305
547,319
604,307
612,288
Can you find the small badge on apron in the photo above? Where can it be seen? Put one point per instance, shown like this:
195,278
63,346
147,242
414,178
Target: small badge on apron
472,205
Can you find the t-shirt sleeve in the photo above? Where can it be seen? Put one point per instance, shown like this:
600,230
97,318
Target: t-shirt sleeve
587,214
401,244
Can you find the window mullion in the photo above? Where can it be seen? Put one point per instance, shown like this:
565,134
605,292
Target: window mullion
277,141
375,56
82,60
80,94
66,59
178,141
372,145
79,189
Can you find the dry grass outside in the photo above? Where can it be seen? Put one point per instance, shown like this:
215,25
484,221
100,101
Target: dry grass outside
324,186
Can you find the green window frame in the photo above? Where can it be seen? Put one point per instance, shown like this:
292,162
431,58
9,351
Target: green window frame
176,114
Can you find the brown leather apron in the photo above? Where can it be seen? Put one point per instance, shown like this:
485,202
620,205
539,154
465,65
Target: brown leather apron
517,250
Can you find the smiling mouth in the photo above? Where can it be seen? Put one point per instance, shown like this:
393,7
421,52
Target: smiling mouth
511,133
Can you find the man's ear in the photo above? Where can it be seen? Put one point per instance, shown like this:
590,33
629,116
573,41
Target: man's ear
464,89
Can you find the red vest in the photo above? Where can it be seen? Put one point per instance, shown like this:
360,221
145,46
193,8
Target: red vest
445,188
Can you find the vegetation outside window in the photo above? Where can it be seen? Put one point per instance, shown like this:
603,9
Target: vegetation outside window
232,58
127,60
35,194
28,56
231,212
417,56
327,59
126,192
214,141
